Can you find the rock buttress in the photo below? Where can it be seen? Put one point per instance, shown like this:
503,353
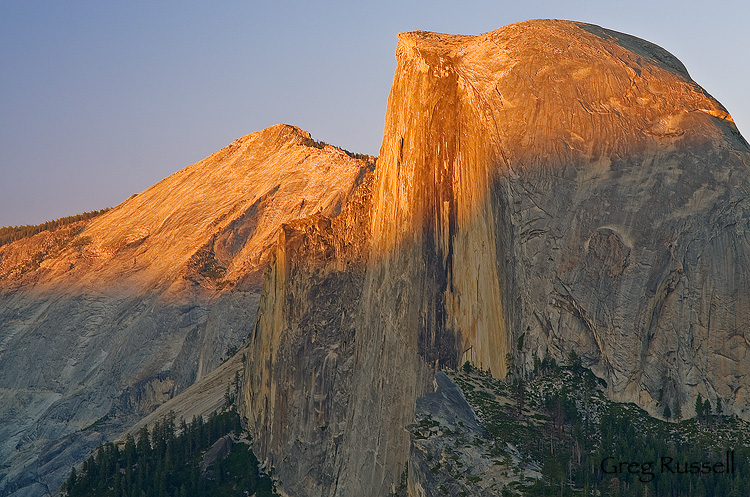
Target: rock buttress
301,356
433,293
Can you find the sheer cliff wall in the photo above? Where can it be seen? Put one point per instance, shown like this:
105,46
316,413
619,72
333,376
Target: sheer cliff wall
554,186
301,356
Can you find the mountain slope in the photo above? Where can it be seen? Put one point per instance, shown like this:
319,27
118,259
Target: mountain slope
104,320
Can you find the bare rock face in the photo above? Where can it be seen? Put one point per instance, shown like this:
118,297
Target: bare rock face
444,443
547,187
302,354
102,321
576,173
582,177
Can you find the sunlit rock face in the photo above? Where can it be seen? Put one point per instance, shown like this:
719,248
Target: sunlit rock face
559,172
572,185
102,321
547,187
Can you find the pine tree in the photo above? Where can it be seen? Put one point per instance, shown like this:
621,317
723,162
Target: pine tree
228,401
71,481
699,407
518,387
677,410
129,453
143,447
707,410
667,412
237,383
574,361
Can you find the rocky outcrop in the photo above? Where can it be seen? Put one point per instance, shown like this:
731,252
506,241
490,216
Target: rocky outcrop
218,451
547,187
104,320
202,398
447,454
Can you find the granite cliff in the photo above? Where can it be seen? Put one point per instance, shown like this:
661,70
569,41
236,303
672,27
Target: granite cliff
546,187
104,320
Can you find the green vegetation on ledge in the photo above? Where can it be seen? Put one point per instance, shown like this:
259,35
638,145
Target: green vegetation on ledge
310,142
558,425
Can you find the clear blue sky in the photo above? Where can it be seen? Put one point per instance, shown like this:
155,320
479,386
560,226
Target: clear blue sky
99,100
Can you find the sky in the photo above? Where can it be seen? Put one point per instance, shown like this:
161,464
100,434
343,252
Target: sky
100,100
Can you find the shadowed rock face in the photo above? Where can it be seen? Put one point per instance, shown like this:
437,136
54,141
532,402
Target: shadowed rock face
546,187
303,351
100,322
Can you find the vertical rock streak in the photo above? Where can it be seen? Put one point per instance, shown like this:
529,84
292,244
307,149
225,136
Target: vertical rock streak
433,215
432,293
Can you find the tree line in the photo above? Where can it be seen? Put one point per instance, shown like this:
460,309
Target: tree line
166,462
9,234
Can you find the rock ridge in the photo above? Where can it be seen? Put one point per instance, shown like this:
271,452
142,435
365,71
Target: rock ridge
104,320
